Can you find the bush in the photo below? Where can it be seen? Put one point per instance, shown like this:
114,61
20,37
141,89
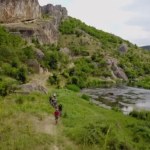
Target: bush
68,26
6,53
19,100
22,75
19,73
54,79
79,80
143,115
86,97
52,59
143,82
28,52
7,86
73,87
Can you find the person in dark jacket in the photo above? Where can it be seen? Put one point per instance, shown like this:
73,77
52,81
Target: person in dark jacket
60,109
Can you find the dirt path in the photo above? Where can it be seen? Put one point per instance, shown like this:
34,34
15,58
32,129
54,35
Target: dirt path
47,125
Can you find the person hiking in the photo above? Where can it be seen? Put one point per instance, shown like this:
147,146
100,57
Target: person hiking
60,109
56,115
54,101
51,100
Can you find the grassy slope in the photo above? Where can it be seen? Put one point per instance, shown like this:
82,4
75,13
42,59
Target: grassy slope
16,125
89,126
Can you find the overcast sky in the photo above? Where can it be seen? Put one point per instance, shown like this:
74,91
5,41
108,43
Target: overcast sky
129,19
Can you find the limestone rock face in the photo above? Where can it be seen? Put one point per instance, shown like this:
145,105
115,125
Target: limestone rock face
19,10
117,72
32,21
57,12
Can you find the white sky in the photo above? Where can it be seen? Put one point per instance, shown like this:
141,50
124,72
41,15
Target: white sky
129,19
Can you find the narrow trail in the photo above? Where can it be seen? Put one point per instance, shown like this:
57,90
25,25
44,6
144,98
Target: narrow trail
48,126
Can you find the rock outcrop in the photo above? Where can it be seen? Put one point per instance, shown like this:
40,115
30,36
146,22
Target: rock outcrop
39,54
123,48
33,87
117,72
57,12
28,19
19,10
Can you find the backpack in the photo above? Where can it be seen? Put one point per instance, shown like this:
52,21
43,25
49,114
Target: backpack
60,107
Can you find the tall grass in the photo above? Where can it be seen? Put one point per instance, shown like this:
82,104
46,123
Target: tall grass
95,127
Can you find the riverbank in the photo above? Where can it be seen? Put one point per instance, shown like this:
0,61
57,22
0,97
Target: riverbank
124,98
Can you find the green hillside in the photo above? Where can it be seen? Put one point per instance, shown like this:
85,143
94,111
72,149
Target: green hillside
92,49
84,57
88,62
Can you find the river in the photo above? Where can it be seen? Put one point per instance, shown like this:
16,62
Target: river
125,98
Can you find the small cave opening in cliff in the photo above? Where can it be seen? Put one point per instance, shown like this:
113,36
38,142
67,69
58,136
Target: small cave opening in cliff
26,32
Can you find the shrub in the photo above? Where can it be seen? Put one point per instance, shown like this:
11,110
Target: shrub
86,97
68,26
78,80
143,82
54,79
74,80
52,59
19,73
143,115
22,75
73,87
6,53
7,86
28,52
19,100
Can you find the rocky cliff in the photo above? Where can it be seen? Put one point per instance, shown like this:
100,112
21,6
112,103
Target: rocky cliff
28,19
19,10
57,12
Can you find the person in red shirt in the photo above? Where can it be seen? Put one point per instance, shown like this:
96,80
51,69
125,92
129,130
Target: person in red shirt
56,114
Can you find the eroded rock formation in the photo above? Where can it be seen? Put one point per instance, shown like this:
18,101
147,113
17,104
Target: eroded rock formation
117,72
28,19
19,10
57,12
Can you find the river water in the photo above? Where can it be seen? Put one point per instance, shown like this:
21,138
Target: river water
125,98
